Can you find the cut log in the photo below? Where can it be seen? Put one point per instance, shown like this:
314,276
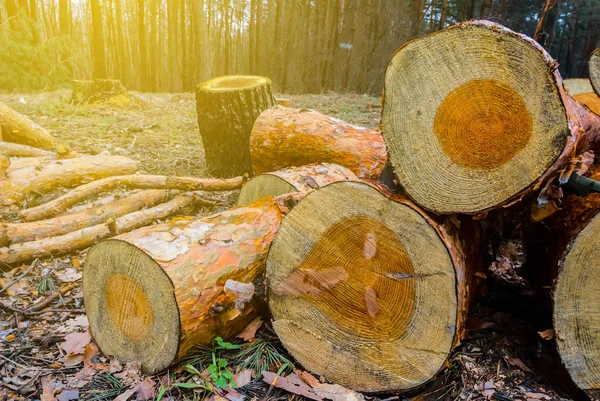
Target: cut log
154,294
284,137
575,86
368,291
61,173
4,165
14,149
590,100
17,163
227,109
81,239
300,179
564,252
20,129
14,233
476,116
87,191
594,67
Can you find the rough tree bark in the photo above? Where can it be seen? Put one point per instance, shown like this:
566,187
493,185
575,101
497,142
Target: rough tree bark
61,173
13,233
563,253
344,276
546,27
18,128
479,134
130,182
227,109
285,137
173,286
299,179
81,239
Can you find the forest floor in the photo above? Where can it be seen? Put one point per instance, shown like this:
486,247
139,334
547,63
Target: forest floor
49,354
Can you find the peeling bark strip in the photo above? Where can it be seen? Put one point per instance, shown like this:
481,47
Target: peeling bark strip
155,293
81,239
369,291
285,137
227,109
299,179
68,173
129,182
13,233
564,254
18,128
594,67
467,132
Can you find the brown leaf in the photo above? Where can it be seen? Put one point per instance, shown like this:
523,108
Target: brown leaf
250,330
233,395
126,395
335,392
518,363
47,390
145,390
68,275
547,334
68,395
75,343
537,396
284,383
242,378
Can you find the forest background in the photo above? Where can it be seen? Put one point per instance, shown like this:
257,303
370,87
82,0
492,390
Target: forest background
304,46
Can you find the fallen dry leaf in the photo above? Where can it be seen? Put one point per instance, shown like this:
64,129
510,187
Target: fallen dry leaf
518,363
290,385
145,390
242,378
68,275
547,334
233,395
126,395
68,395
75,343
335,392
537,396
250,330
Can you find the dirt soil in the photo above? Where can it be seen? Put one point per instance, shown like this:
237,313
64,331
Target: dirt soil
49,355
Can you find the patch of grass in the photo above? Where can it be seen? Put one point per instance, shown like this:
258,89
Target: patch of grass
104,387
262,355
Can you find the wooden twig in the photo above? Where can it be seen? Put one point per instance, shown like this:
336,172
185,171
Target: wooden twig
49,299
31,266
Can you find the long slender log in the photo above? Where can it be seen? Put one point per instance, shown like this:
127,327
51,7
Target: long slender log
80,239
285,137
368,290
17,163
20,129
15,149
61,173
130,182
468,132
300,179
13,233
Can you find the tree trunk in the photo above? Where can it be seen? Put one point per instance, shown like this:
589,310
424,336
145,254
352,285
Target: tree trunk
98,52
227,109
546,27
285,137
61,173
594,67
18,128
303,179
16,150
81,239
155,294
368,291
92,189
473,138
14,233
563,253
64,18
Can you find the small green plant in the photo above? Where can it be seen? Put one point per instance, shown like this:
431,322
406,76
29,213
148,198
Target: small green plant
220,375
261,355
190,386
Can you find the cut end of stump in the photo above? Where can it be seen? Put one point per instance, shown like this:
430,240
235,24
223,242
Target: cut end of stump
472,117
233,83
577,309
131,305
362,289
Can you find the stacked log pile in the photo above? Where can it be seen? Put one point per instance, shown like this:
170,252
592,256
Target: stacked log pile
366,287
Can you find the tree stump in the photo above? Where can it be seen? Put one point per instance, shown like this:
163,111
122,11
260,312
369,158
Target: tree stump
156,293
285,137
300,179
227,109
17,128
96,90
368,291
594,67
475,117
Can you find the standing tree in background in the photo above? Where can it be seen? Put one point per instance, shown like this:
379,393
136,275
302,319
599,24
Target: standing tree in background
98,52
